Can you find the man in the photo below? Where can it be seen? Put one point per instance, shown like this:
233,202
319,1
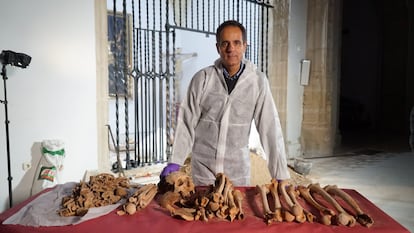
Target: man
215,117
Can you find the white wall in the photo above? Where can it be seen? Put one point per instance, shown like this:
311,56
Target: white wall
55,96
296,51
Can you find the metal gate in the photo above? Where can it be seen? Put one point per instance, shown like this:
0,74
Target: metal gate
145,64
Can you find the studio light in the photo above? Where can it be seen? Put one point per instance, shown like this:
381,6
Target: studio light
8,57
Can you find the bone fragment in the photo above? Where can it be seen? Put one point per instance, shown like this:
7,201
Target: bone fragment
222,212
168,200
184,213
214,206
238,197
130,208
201,215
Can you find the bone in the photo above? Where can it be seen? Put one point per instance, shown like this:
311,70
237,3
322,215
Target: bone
326,214
184,213
238,197
363,218
287,213
268,214
146,195
220,183
214,206
288,216
130,208
277,206
297,209
168,200
201,215
140,199
233,210
219,200
221,213
343,218
227,188
309,216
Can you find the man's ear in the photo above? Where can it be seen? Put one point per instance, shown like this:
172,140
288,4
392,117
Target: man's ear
217,47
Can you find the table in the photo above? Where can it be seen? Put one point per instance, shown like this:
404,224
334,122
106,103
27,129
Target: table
156,219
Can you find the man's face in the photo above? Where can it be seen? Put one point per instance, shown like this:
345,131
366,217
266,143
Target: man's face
231,47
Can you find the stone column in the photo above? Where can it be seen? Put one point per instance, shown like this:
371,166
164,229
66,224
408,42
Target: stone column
279,57
320,105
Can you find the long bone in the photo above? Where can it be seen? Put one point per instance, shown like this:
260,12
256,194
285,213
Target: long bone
294,195
140,199
297,209
268,214
326,214
227,188
146,195
232,210
363,218
277,206
343,218
287,214
220,183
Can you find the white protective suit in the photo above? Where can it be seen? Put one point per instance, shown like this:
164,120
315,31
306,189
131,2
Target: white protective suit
214,126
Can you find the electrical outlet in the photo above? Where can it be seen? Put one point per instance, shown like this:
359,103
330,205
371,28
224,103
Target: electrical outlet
26,166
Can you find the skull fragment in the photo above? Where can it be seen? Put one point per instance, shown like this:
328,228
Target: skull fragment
178,182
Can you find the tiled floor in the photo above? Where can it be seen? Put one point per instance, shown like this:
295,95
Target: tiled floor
386,179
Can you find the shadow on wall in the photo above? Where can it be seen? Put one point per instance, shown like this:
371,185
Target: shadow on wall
22,191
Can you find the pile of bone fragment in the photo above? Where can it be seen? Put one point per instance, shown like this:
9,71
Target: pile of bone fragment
219,200
101,190
281,201
286,204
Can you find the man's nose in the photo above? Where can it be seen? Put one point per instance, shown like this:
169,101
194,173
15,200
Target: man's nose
230,46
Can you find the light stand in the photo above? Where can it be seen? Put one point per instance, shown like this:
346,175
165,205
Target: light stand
9,178
20,60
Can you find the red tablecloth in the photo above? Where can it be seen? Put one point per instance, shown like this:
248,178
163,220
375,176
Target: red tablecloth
156,219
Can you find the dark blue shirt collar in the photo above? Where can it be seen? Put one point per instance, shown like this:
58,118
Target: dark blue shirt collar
237,75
